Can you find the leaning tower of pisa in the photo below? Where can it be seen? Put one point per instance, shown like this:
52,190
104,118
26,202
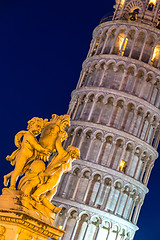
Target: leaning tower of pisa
115,124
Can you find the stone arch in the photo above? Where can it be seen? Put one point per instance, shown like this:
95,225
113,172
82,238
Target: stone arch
107,109
70,136
71,182
138,121
119,73
82,186
88,106
96,144
146,125
93,227
97,108
77,136
82,225
117,113
128,117
148,47
86,143
61,216
119,40
138,44
106,149
111,36
80,107
139,81
115,158
136,162
94,187
131,6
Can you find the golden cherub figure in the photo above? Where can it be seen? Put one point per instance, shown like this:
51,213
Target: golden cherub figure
40,181
27,150
60,164
44,180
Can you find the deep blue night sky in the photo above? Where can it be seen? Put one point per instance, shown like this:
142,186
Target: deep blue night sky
42,46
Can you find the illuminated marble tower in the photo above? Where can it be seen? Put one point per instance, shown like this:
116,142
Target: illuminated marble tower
115,123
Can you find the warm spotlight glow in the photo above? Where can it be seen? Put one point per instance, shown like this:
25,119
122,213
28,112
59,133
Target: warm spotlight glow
122,166
153,1
59,226
122,43
124,46
155,53
96,45
121,40
122,2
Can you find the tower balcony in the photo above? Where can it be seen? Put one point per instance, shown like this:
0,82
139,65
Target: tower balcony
125,38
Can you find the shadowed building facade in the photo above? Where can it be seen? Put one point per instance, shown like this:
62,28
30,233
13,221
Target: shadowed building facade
115,124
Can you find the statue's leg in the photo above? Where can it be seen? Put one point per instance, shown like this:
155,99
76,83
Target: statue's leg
52,182
42,189
46,202
49,205
6,178
27,189
18,169
51,193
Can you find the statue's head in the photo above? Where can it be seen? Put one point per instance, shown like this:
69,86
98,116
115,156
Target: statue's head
35,125
62,121
74,152
37,166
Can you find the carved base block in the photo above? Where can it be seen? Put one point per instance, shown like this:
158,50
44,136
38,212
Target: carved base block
18,221
19,226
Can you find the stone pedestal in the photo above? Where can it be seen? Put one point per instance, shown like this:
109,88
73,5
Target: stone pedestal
20,221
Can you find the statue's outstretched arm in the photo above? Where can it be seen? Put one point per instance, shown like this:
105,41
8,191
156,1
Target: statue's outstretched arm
59,147
18,137
34,143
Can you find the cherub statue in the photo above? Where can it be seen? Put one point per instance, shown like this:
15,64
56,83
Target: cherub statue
28,148
33,178
61,163
39,181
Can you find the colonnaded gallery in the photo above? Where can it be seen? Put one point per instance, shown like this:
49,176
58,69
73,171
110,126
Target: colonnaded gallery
115,123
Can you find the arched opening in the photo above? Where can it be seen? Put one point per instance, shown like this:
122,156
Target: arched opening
80,107
128,47
87,107
118,77
70,225
82,188
85,144
97,109
138,45
104,155
107,111
148,49
133,15
92,194
109,44
82,226
151,5
119,43
94,150
109,76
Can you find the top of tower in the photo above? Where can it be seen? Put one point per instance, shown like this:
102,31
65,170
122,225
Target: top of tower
145,11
